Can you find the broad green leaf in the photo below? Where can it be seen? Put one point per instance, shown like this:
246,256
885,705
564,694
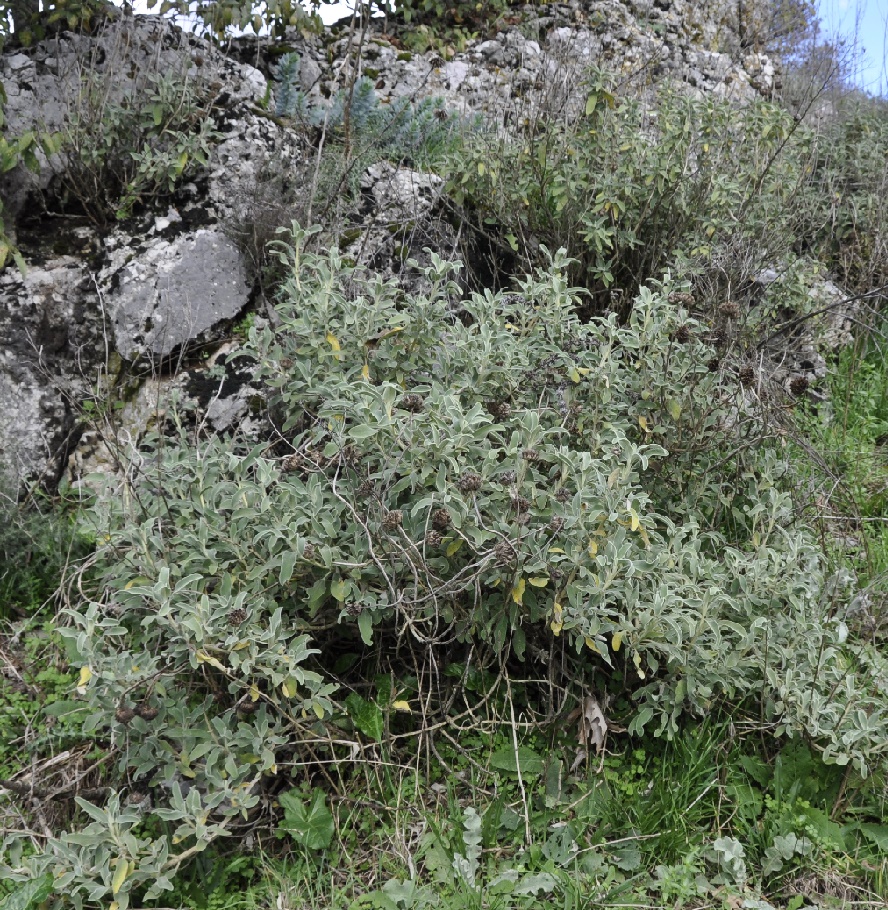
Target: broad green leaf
366,715
311,824
505,759
365,627
288,563
28,895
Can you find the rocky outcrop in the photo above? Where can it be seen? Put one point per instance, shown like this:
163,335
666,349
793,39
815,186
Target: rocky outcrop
111,305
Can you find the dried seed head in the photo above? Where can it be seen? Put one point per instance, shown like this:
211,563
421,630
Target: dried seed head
412,403
441,519
507,478
237,617
729,309
309,552
746,375
530,455
440,113
556,523
469,482
713,364
682,334
499,410
520,504
137,797
562,494
248,706
504,552
799,385
146,711
291,463
366,488
124,715
718,338
392,519
433,539
354,608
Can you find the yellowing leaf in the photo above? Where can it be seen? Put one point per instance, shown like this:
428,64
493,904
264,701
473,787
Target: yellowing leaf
674,408
288,687
555,550
241,645
254,692
557,623
574,376
593,548
636,659
539,582
454,546
518,591
617,641
204,658
120,874
556,627
635,522
333,341
318,709
365,372
643,423
85,676
591,645
402,706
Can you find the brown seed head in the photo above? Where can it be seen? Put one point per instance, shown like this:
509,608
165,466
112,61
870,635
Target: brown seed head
392,520
124,715
799,385
729,309
441,519
469,482
556,523
507,478
309,552
366,488
433,539
747,375
713,364
146,711
412,403
291,463
237,616
499,410
520,504
504,552
530,455
682,334
562,494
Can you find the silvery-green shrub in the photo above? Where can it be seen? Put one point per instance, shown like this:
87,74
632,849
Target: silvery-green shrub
486,476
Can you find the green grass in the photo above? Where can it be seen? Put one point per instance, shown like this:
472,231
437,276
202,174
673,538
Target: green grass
848,472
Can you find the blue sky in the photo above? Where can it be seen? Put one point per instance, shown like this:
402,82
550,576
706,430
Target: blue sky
864,23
